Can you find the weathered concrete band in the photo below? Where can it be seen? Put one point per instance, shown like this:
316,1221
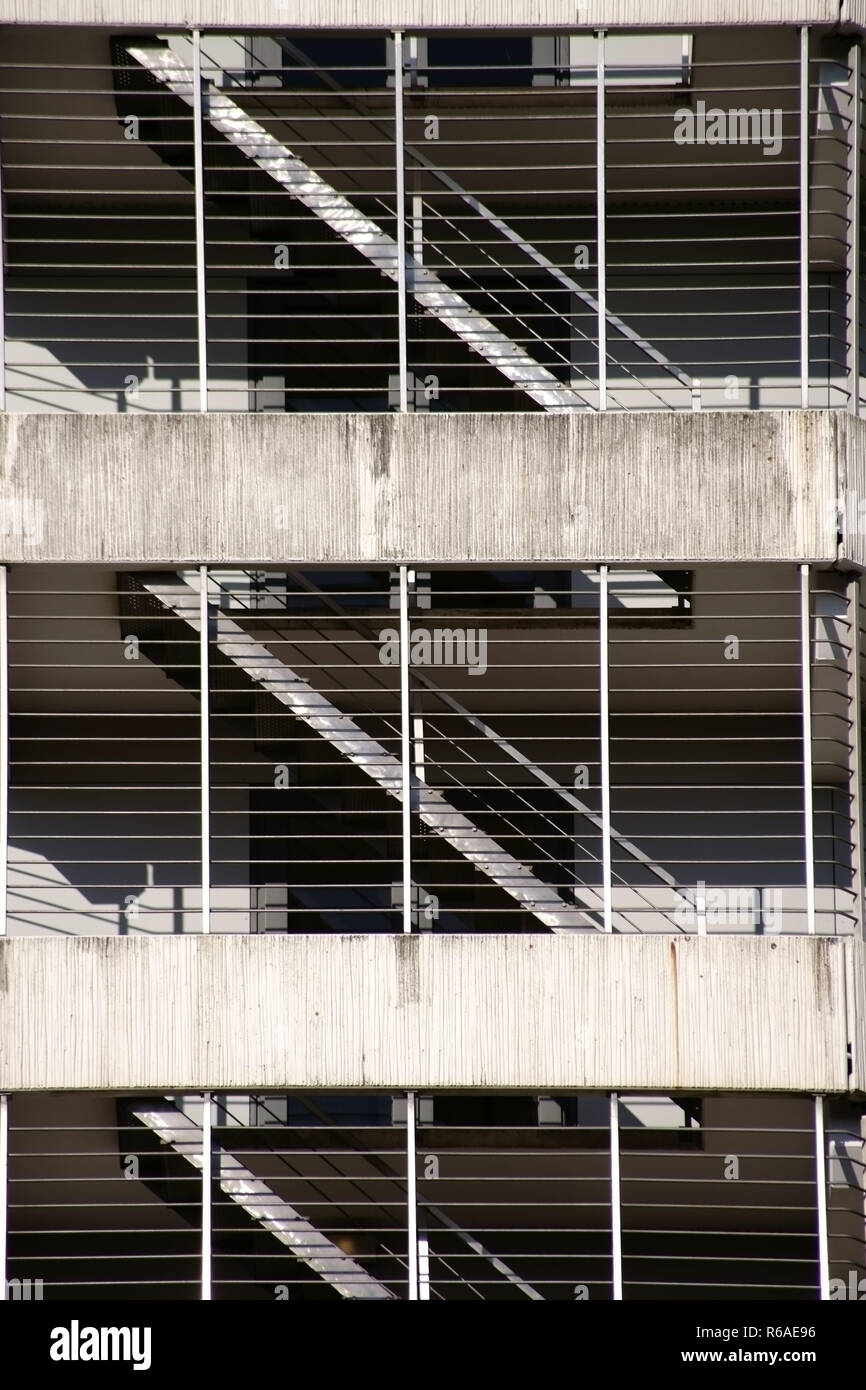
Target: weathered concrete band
418,15
427,1012
443,488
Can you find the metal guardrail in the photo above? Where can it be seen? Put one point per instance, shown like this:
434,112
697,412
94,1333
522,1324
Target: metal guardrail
434,1197
744,1223
846,1205
105,815
506,222
260,751
95,1209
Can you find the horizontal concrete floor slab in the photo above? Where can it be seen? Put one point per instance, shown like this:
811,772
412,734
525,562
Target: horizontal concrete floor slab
426,1011
363,488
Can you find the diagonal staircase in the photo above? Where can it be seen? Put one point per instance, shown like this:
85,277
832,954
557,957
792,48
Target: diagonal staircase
369,239
261,1202
180,595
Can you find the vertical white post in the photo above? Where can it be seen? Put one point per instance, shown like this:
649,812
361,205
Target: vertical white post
198,166
601,230
615,1199
821,1199
403,373
4,744
204,750
604,702
206,1192
806,706
701,906
804,217
411,1197
4,1192
405,749
401,222
853,276
417,229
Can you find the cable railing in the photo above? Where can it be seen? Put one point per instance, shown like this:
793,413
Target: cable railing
231,750
96,1208
835,712
846,1200
577,225
105,827
744,1223
439,1197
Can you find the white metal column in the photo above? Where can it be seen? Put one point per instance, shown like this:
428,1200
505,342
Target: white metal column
806,710
601,229
411,1197
4,744
853,276
405,749
204,748
604,711
198,164
4,1191
206,1192
615,1199
821,1199
401,221
804,217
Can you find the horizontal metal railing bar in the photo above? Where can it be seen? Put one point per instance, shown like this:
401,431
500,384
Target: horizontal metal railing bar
113,1283
499,1230
68,1181
338,836
386,70
145,1231
310,1124
718,1284
542,617
428,1128
687,1232
382,569
570,1257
